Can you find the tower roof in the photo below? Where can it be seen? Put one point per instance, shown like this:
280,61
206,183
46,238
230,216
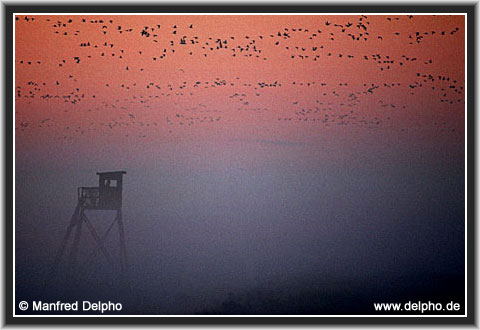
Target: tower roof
112,173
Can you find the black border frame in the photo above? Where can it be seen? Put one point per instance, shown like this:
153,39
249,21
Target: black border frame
468,8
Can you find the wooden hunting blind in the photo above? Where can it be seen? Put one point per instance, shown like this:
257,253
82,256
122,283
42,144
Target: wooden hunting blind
107,196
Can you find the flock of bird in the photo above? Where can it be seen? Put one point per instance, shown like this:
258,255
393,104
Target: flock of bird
141,102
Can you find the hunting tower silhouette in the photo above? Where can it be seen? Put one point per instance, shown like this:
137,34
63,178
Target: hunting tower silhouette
107,196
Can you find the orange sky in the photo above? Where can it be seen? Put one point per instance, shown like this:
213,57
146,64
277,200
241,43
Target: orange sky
302,79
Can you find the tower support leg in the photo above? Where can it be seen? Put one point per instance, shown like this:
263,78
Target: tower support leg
61,250
74,251
123,250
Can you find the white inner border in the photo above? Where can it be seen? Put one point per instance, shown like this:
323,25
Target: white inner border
239,14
